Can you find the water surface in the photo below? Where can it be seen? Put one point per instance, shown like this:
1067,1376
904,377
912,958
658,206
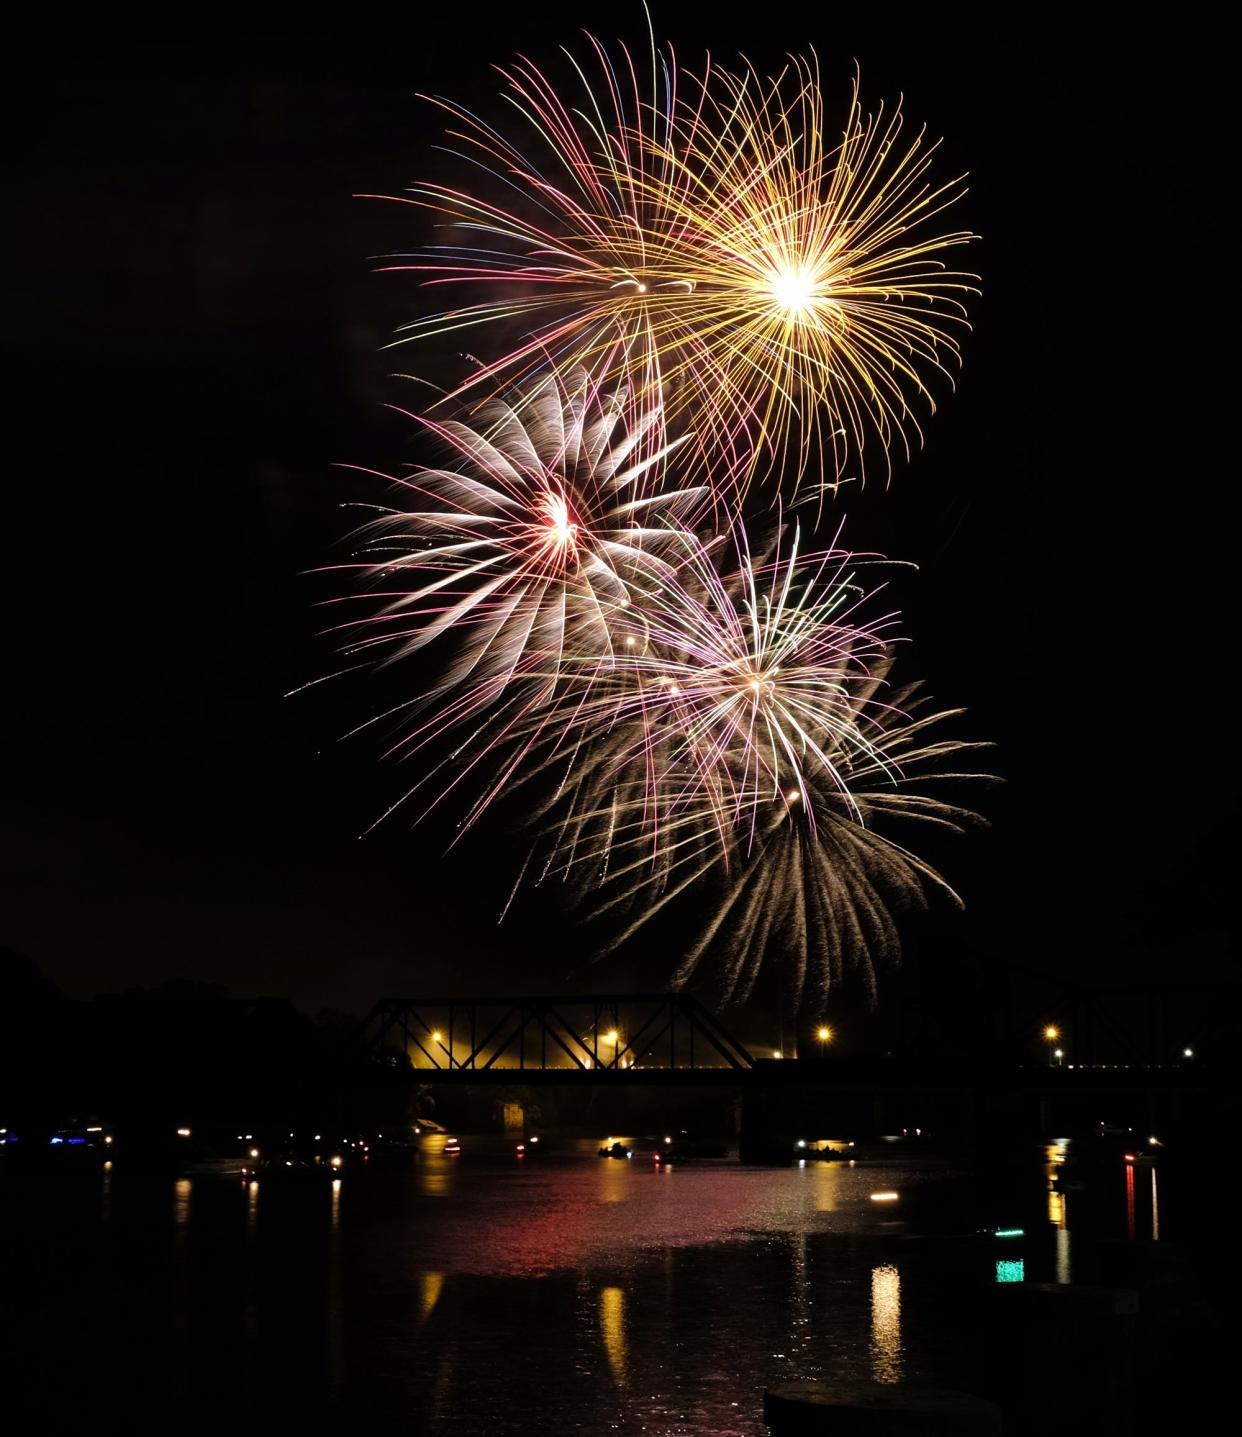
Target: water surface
486,1295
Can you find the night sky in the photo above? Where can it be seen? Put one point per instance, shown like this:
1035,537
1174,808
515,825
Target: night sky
193,338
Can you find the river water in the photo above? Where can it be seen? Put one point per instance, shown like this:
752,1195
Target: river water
483,1294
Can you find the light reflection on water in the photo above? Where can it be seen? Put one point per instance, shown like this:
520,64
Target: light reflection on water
563,1294
335,1296
1155,1207
886,1324
558,1214
1058,1211
182,1190
612,1329
1064,1270
250,1279
826,1178
430,1286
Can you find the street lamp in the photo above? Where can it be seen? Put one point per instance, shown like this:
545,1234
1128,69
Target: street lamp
823,1035
1058,1054
1051,1034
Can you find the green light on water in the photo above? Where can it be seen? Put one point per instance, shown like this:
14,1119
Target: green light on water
1009,1269
1009,1232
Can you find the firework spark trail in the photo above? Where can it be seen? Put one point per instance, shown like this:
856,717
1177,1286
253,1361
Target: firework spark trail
779,294
761,664
525,553
839,299
829,886
736,675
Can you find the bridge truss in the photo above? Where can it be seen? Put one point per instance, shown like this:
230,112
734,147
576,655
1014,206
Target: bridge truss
640,1035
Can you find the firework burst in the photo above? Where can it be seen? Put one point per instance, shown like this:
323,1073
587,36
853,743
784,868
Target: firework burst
809,879
522,551
692,283
779,291
757,668
735,675
827,301
748,748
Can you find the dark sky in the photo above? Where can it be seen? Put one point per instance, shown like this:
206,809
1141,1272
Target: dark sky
194,339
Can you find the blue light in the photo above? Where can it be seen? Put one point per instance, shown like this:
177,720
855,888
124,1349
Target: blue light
76,1142
1009,1269
54,1141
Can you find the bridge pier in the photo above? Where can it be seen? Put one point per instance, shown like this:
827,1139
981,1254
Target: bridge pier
759,1138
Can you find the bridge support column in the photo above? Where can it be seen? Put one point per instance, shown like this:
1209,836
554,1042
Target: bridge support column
759,1140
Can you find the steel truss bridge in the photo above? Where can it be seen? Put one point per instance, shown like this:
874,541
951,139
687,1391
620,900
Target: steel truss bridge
672,1039
644,1037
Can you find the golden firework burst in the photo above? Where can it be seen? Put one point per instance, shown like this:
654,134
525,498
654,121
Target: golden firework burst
785,297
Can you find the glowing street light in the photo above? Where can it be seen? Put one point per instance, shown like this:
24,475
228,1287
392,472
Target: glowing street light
823,1035
1051,1034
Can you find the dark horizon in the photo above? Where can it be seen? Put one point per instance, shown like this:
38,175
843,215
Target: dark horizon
198,338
